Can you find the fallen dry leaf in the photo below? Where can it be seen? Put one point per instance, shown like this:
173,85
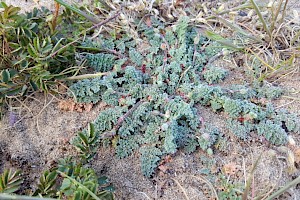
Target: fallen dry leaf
297,155
66,105
88,107
148,22
70,105
163,168
62,89
230,168
291,162
167,159
291,141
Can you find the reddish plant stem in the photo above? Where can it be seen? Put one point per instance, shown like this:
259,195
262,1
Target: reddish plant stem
113,132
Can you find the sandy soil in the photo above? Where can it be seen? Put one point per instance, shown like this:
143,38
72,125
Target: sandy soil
43,132
41,138
28,5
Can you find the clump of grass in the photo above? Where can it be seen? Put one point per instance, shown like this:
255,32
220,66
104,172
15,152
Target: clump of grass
38,48
69,180
270,37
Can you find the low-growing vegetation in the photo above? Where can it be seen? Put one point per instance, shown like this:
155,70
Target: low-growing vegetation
153,96
154,76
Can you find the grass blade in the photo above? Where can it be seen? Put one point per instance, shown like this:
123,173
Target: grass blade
276,16
238,29
249,181
5,196
285,188
256,8
80,185
218,38
261,60
79,12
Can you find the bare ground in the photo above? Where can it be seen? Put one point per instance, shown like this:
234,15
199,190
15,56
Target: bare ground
28,5
42,135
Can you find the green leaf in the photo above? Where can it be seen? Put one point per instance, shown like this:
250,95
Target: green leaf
47,49
32,52
77,195
109,188
84,138
66,184
51,176
12,189
3,5
79,12
5,76
13,73
12,11
106,195
57,45
81,147
34,85
24,90
226,42
27,32
91,130
14,45
14,91
213,36
45,187
36,44
83,187
62,59
103,180
10,181
239,29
